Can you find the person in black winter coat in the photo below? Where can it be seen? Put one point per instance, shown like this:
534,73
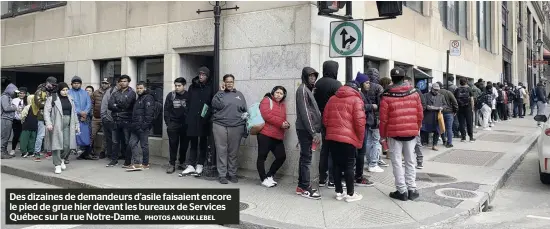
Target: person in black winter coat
198,122
121,104
325,88
142,121
175,114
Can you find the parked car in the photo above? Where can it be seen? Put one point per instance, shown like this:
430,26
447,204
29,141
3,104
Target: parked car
543,149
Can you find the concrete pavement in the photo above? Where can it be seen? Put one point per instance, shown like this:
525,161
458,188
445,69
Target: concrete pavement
454,184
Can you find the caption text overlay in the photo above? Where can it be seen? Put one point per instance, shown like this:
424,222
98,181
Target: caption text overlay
122,206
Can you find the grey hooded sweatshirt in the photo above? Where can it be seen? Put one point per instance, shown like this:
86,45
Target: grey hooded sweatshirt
8,109
308,116
229,107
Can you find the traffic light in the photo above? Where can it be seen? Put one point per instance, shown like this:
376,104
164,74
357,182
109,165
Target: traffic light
389,9
330,6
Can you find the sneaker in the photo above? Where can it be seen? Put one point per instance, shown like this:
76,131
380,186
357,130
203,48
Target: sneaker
272,180
25,155
223,180
399,196
419,165
413,194
171,169
233,179
146,166
37,159
267,183
308,193
132,168
323,183
63,166
341,196
112,163
449,146
66,161
57,169
463,140
12,152
199,169
331,185
126,166
188,171
472,140
382,163
375,169
354,197
363,182
102,155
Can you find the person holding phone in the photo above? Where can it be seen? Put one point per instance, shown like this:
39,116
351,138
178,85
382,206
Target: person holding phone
270,138
62,125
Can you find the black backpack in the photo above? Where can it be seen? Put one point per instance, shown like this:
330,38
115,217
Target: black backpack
500,98
462,96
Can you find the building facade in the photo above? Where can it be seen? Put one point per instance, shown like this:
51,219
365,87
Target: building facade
262,43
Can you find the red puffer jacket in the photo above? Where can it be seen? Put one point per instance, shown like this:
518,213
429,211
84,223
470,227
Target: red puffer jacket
273,117
401,112
344,117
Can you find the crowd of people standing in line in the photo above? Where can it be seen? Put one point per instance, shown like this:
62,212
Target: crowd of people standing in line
352,121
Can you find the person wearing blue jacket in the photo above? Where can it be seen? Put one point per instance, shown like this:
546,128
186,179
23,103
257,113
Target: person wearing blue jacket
82,106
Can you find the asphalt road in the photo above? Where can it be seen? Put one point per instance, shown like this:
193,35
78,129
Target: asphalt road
523,202
9,181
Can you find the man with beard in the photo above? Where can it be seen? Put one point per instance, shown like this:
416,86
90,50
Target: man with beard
121,103
82,106
42,93
97,97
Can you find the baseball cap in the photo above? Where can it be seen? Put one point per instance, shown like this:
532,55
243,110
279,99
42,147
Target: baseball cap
51,80
397,72
105,80
436,86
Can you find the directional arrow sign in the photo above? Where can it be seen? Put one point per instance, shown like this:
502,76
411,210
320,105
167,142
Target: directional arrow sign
346,39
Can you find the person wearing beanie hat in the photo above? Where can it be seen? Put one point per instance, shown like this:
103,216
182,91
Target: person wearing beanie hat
82,106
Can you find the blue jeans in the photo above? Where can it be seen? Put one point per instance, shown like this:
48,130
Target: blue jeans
137,140
449,127
40,133
373,146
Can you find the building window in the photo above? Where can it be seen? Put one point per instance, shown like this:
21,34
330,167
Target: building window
15,8
454,16
484,33
151,71
414,5
109,69
505,39
528,25
370,63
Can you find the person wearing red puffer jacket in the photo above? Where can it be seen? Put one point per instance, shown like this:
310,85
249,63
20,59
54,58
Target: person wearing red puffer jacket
345,119
401,115
271,136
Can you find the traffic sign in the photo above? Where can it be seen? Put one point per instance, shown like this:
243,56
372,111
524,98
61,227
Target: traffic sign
454,47
346,39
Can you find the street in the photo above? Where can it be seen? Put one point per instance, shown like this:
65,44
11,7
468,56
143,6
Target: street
523,202
9,181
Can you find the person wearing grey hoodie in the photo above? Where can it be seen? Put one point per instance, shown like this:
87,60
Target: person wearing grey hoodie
8,114
308,129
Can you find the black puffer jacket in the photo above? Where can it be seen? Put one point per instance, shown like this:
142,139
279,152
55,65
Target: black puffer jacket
143,112
327,86
541,94
121,104
199,95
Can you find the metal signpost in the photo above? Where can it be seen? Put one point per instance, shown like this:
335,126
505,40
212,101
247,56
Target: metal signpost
454,50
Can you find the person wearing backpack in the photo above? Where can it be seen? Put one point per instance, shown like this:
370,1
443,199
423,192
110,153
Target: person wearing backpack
510,103
270,138
175,113
465,98
143,115
449,114
502,99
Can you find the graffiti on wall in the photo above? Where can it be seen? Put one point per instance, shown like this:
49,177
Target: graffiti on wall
278,62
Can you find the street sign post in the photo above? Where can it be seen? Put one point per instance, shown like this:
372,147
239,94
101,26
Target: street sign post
454,48
346,39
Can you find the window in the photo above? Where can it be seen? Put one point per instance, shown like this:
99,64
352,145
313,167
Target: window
151,71
15,8
453,16
528,25
484,33
109,69
505,13
414,5
520,22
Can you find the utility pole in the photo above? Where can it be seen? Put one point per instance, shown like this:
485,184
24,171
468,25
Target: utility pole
210,170
349,63
447,71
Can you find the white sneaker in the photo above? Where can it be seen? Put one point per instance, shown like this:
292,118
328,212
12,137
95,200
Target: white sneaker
487,128
272,180
189,170
355,197
57,169
267,183
12,152
375,169
199,169
63,166
341,196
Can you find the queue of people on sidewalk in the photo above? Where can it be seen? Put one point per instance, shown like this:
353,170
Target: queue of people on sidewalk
353,124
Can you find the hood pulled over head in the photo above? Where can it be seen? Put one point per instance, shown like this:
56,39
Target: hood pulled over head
205,70
330,69
10,89
348,90
373,75
305,74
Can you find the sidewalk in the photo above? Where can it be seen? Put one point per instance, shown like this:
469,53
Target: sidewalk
454,183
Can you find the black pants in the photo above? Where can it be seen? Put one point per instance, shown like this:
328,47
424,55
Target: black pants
466,121
494,114
265,145
344,161
305,140
121,138
17,129
360,161
502,113
424,137
197,153
524,110
177,138
108,135
325,162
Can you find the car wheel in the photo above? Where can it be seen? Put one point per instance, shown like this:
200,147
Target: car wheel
544,177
